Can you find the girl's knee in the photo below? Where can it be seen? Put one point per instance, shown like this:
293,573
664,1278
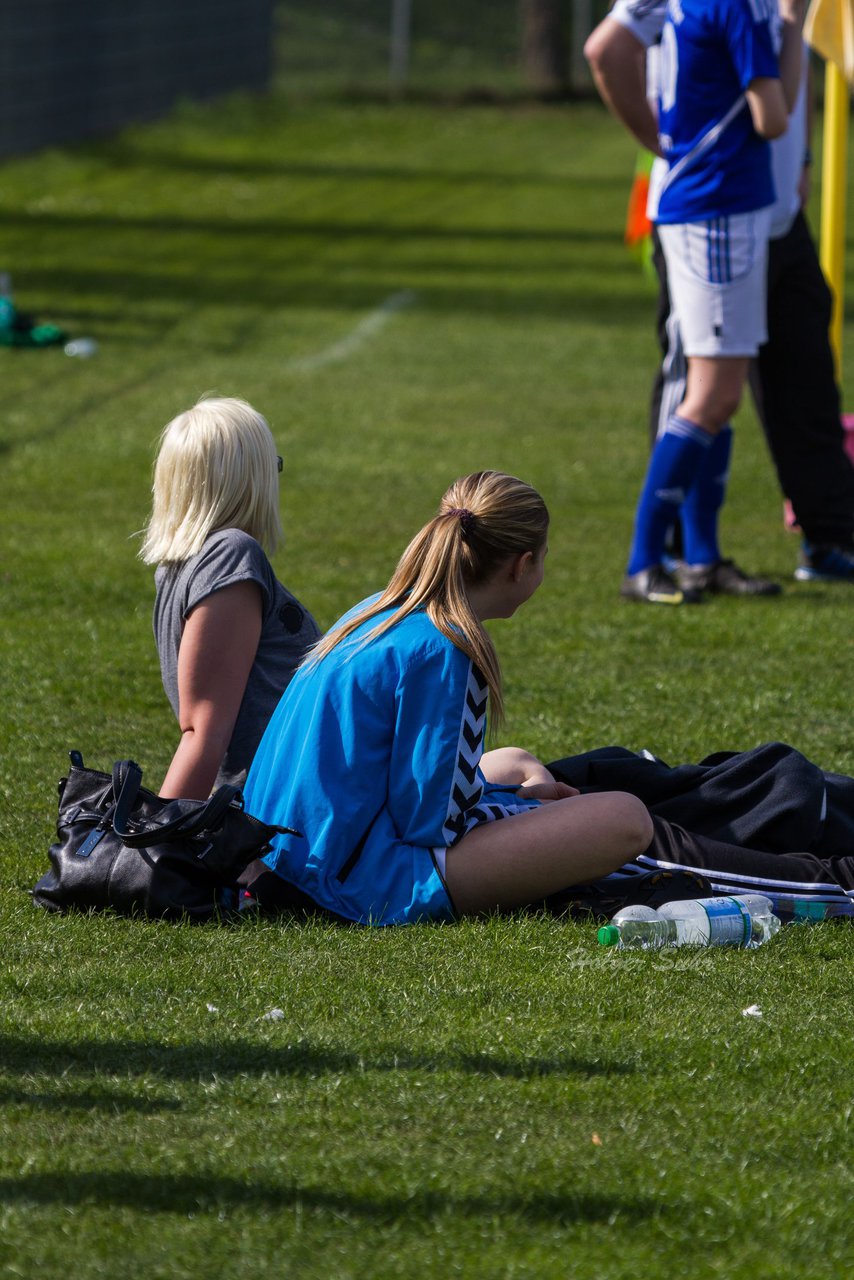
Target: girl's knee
636,821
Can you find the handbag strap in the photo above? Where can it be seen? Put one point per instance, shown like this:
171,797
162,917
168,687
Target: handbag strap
127,779
206,817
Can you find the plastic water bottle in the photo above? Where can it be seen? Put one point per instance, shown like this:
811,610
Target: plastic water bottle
744,921
81,347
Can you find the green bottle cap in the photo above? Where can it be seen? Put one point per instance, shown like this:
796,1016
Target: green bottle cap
609,935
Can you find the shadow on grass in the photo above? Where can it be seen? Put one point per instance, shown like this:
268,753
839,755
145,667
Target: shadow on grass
215,259
291,288
191,1194
86,1101
329,230
188,1062
123,154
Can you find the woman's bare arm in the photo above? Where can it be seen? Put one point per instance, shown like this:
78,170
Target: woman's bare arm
217,650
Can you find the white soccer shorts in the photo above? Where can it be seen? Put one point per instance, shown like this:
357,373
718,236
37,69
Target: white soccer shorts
716,274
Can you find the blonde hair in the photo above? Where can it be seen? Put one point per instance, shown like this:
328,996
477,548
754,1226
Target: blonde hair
216,469
482,520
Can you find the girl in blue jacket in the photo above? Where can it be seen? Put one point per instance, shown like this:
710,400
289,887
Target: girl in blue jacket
375,752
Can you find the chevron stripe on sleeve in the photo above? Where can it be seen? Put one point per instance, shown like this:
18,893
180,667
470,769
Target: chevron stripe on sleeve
466,785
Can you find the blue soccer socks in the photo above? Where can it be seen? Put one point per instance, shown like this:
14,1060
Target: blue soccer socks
702,505
675,463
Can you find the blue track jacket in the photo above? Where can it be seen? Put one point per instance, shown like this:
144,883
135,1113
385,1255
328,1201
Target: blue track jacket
373,754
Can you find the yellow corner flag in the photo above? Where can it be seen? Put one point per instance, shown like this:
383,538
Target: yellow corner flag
829,29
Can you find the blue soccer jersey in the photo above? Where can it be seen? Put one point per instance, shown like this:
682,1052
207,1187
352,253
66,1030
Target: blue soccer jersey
373,754
711,51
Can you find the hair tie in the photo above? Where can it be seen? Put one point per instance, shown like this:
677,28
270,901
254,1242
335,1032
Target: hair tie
465,517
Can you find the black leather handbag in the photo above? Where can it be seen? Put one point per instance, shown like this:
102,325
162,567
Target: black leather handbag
119,846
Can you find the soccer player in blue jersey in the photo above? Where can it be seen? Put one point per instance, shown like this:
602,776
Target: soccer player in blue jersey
723,93
793,378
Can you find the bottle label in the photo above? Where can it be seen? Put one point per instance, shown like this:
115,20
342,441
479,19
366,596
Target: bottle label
729,922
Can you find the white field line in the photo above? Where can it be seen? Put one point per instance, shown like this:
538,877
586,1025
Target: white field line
367,328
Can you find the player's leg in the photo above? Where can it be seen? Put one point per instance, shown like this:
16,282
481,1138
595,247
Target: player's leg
798,404
701,566
734,869
699,306
525,857
673,466
716,274
701,509
668,387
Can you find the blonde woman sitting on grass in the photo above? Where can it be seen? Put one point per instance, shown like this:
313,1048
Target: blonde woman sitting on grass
229,635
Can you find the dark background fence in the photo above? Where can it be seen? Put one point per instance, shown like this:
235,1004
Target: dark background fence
466,47
74,69
77,69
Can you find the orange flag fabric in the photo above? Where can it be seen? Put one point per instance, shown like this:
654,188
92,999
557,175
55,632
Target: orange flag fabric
638,225
638,233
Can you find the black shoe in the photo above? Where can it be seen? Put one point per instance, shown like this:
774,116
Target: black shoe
655,586
724,578
826,564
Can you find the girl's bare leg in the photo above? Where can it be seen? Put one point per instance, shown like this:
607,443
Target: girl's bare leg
526,857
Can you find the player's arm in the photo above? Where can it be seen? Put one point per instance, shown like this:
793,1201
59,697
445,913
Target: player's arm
767,106
218,647
770,101
792,13
617,62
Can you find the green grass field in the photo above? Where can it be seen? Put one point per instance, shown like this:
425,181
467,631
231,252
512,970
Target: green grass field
407,294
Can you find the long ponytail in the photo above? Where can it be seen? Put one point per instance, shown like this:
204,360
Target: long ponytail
483,519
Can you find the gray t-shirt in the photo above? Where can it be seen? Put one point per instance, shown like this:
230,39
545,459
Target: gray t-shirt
287,630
